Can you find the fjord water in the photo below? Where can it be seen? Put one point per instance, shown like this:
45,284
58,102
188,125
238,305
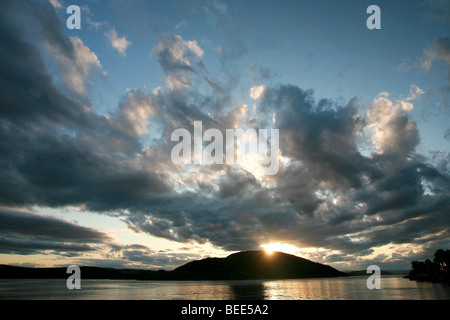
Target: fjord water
344,288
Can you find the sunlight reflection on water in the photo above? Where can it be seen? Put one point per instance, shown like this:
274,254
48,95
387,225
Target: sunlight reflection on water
347,288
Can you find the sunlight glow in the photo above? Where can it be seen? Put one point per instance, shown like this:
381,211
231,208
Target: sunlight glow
280,247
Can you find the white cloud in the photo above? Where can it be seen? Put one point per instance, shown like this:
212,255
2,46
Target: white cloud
173,52
414,92
74,73
136,109
257,91
179,59
392,128
181,24
177,82
120,44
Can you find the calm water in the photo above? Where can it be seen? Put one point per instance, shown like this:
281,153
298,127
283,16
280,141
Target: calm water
349,288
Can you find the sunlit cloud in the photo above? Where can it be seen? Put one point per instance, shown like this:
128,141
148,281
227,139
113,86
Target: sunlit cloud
121,44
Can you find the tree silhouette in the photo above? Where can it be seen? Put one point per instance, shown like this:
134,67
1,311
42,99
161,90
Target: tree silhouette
442,258
436,271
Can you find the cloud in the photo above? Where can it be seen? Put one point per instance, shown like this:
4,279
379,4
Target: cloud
414,93
393,130
155,260
23,232
257,92
56,3
75,72
30,246
180,59
136,109
181,24
53,126
75,61
259,74
439,51
120,44
15,222
174,53
139,257
28,92
214,11
87,15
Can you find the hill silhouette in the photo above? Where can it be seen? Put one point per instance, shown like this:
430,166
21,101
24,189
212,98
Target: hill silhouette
256,265
238,266
13,272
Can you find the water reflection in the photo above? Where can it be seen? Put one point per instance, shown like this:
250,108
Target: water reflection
248,291
354,288
347,288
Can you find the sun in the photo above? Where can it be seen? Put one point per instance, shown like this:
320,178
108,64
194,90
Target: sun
279,247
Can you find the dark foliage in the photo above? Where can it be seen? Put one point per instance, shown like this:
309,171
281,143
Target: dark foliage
434,271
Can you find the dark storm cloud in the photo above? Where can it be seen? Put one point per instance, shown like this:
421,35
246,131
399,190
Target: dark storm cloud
54,150
236,184
22,232
58,171
21,223
229,217
29,96
27,90
322,136
393,185
31,246
402,187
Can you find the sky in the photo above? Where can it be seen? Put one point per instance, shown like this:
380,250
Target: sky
87,116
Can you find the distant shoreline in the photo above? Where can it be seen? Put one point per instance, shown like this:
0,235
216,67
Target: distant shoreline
97,273
249,265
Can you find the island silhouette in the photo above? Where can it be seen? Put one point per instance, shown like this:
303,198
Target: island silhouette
246,265
256,265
